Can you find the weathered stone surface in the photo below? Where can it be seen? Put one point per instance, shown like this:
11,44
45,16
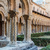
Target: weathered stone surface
21,46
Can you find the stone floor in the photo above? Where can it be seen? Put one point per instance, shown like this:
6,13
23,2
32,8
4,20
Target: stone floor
21,46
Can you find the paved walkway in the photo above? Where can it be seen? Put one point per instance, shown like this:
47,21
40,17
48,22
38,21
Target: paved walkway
40,48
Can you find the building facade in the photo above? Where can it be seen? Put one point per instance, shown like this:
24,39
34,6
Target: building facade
22,17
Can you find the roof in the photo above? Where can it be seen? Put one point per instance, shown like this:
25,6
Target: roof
38,5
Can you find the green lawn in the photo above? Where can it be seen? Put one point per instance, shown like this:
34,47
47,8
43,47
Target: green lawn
45,36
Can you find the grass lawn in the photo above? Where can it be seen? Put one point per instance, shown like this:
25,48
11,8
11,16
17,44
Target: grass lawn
45,36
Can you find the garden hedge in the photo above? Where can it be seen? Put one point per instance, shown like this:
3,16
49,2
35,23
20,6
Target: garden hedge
37,41
40,34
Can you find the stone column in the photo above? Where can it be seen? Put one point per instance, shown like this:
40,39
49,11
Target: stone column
3,29
7,30
13,29
38,28
25,37
41,28
22,29
35,28
29,30
17,27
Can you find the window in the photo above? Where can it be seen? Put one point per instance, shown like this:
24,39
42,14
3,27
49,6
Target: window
43,12
40,11
37,10
33,8
19,5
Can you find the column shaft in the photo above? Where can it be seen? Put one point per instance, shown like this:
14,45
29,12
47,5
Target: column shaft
29,30
22,29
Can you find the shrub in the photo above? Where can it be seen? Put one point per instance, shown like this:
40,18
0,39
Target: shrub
46,48
37,41
40,34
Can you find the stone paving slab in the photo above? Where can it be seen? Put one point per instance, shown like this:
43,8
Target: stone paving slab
40,48
21,46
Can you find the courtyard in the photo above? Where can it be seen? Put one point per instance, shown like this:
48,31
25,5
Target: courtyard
45,36
24,25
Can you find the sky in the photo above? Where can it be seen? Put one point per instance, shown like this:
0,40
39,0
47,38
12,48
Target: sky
38,1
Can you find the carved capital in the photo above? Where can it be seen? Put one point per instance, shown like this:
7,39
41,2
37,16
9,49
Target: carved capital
12,13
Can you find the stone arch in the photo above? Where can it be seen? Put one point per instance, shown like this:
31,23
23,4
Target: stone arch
2,26
3,8
25,7
3,17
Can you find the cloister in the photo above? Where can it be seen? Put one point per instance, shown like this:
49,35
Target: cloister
18,17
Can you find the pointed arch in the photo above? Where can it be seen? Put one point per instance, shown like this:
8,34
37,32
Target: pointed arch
25,7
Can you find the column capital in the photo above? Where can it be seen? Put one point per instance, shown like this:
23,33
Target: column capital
12,13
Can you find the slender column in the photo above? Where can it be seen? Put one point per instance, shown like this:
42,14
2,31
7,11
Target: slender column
35,28
15,32
25,37
41,28
13,29
29,30
38,28
3,29
22,29
8,30
17,27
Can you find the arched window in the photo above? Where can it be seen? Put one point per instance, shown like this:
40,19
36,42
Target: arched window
37,10
33,8
40,11
20,6
43,12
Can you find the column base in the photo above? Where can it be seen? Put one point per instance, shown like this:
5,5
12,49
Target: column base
21,46
28,41
8,38
12,44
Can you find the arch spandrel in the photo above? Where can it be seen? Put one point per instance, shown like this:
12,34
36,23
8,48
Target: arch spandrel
4,6
25,7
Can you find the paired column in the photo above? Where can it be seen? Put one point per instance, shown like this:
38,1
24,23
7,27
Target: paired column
27,31
41,28
8,30
13,29
22,30
3,29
